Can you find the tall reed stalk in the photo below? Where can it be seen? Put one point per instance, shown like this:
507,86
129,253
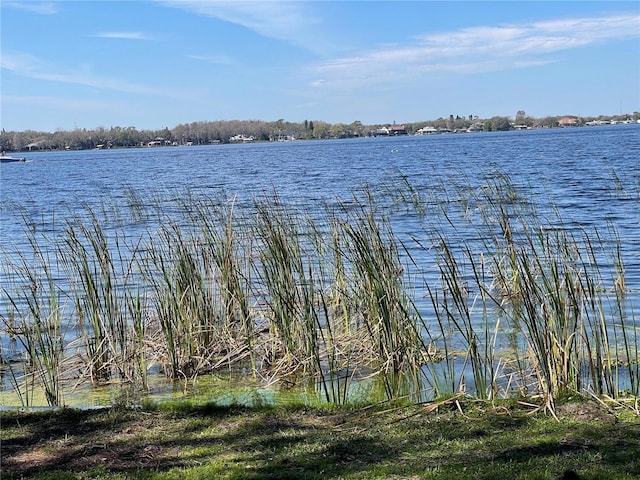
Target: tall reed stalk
226,265
456,318
340,334
549,283
35,321
381,298
289,287
183,302
92,261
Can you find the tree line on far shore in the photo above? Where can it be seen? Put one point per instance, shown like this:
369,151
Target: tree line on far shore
227,131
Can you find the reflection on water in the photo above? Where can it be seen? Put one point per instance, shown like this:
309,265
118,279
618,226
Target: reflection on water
218,389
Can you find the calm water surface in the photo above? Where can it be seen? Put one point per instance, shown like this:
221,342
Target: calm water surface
589,177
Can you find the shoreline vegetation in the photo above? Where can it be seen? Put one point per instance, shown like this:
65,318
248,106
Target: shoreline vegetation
510,352
331,300
243,131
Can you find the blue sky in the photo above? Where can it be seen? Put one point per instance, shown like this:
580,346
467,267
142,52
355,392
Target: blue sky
156,64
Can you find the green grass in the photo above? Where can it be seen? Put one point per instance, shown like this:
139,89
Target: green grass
458,438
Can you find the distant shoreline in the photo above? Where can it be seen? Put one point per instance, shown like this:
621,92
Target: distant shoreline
249,131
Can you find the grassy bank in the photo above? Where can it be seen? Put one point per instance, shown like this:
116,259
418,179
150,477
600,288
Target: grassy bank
458,438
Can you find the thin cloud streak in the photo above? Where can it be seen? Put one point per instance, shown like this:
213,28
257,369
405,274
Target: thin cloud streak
60,103
213,59
39,8
32,67
476,50
123,35
287,21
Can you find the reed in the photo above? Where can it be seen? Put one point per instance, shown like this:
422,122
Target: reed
456,319
380,296
140,340
288,286
548,282
612,324
98,273
182,302
330,299
540,287
34,320
341,333
225,259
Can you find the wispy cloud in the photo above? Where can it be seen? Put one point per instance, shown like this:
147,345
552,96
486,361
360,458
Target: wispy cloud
474,50
65,104
293,22
214,59
29,66
40,8
123,35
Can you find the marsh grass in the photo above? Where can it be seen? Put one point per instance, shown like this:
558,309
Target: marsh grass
381,298
288,286
182,301
454,312
514,303
226,263
88,257
35,322
548,281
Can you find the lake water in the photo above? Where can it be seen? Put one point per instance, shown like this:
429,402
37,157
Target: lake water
587,177
591,176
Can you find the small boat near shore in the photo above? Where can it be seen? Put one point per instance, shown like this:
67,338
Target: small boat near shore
8,159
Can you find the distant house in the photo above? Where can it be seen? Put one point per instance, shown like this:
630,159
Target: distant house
476,127
158,142
397,130
380,131
34,145
242,138
427,131
568,122
393,130
284,137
